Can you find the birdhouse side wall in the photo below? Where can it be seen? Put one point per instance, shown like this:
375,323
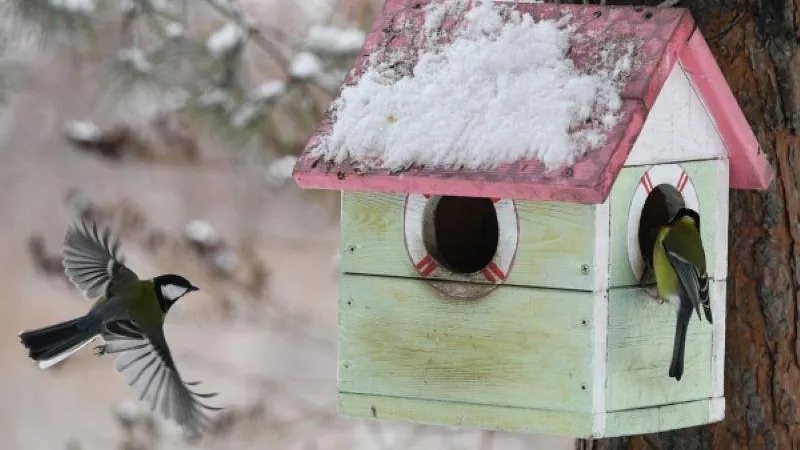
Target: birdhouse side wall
703,186
641,329
555,241
678,127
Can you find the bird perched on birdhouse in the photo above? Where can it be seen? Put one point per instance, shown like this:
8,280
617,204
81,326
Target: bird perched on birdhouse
507,170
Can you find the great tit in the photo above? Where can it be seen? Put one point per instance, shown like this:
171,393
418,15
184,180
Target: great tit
679,264
129,316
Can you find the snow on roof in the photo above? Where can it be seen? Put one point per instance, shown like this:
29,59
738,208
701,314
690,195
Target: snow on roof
611,63
461,104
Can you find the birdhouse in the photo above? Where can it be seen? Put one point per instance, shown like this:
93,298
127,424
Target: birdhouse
502,167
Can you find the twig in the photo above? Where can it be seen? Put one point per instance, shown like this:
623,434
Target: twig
668,3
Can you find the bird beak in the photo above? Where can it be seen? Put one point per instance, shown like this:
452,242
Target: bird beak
194,288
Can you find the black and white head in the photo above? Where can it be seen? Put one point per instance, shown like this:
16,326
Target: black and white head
170,288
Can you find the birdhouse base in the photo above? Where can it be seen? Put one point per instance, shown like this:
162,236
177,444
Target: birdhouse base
565,423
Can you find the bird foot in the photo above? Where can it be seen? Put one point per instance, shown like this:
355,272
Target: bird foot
100,350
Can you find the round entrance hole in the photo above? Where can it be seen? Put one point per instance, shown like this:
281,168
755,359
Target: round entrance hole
461,233
659,207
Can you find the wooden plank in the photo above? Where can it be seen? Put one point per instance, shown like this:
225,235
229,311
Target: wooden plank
503,418
658,419
556,241
641,334
520,347
678,127
560,423
704,176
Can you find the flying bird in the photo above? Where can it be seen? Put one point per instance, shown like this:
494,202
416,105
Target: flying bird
128,314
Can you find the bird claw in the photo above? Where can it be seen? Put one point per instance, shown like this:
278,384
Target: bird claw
100,350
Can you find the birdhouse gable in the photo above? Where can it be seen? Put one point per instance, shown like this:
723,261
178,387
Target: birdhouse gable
513,100
678,127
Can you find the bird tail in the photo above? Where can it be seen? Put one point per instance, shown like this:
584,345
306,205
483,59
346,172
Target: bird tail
51,345
678,349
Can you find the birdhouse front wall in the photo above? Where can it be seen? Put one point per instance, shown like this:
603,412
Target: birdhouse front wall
411,351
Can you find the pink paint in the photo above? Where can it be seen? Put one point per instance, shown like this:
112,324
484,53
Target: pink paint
749,169
664,33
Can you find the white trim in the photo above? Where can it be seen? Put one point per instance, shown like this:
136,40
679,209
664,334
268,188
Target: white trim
718,338
716,409
602,254
660,174
602,245
721,230
507,240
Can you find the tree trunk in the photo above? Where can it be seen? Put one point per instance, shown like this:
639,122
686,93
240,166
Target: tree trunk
756,44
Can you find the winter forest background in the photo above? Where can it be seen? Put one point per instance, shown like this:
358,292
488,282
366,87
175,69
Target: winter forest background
177,122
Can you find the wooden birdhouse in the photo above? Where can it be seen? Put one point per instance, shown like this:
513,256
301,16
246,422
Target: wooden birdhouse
494,226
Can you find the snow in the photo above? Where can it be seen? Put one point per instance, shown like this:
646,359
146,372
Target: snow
215,97
174,30
504,90
225,40
305,65
202,232
257,100
137,59
82,131
279,172
75,6
335,41
268,91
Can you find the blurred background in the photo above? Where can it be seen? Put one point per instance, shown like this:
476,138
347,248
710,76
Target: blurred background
177,122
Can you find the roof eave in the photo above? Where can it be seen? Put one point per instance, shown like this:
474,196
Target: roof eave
749,168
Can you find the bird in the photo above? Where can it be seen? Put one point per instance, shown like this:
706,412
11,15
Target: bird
128,314
679,265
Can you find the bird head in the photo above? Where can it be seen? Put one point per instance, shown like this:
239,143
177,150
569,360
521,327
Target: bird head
170,288
687,213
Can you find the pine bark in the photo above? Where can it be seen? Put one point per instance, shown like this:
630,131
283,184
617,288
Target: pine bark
756,43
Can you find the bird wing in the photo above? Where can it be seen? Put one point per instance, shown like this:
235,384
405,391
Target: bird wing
146,364
688,260
92,260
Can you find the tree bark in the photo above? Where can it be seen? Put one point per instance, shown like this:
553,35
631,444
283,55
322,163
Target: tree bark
756,44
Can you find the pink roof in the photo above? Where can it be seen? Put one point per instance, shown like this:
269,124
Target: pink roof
669,35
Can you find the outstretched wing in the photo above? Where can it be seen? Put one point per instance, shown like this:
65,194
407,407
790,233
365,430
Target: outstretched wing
92,260
688,260
147,366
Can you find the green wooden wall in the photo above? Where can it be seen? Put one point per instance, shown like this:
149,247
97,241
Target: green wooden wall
705,177
555,241
641,334
519,347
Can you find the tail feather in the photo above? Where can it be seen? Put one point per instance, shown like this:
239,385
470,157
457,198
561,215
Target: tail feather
51,345
679,347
